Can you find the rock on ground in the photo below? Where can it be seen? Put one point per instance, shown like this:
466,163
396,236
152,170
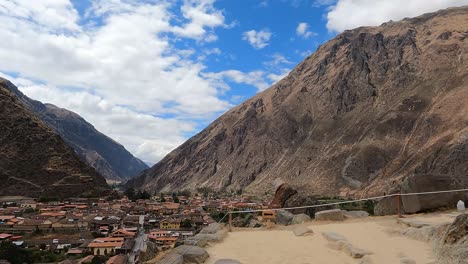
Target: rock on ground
192,254
254,223
355,214
457,231
150,253
412,223
283,217
300,218
212,228
172,258
216,237
227,261
333,237
287,196
302,230
330,215
429,182
192,241
339,242
406,260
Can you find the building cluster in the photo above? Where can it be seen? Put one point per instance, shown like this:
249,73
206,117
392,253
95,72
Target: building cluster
118,229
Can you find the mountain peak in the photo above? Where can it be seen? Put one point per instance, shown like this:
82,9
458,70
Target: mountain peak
370,109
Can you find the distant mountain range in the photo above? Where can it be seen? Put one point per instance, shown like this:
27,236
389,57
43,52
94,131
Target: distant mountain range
109,158
34,160
373,111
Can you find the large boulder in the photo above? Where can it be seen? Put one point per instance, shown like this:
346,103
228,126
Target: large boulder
193,241
240,221
216,237
212,228
355,214
283,217
302,231
330,215
254,223
286,196
300,218
386,206
458,231
429,183
282,194
191,254
150,253
172,258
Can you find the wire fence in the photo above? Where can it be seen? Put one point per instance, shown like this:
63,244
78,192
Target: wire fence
397,195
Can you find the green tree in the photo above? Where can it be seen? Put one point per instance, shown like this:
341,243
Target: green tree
175,199
186,223
96,260
130,193
14,254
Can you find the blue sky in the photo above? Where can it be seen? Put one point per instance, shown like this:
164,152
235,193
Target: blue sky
152,73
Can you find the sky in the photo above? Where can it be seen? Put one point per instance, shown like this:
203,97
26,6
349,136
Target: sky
152,73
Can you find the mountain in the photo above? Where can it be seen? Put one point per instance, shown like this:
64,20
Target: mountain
108,157
35,161
372,111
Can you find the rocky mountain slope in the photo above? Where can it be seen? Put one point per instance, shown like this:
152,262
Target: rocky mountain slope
372,111
35,161
108,157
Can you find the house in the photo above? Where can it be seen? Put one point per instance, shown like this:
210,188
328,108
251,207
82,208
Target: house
170,224
106,245
29,204
166,241
123,233
156,234
74,252
4,236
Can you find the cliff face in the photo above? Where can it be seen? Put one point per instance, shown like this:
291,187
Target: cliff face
35,161
369,109
108,157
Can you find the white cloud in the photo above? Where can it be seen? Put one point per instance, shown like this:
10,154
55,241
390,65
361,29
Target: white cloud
258,39
119,65
348,14
123,74
201,15
254,78
302,30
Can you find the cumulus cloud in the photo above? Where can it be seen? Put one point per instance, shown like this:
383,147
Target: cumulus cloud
302,30
258,39
117,65
348,14
201,15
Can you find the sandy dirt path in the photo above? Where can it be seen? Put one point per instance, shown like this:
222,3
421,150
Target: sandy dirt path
280,245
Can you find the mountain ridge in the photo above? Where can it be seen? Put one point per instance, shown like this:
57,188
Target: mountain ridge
106,155
35,161
361,116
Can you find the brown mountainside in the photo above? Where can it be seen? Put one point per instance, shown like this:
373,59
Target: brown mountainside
35,161
372,110
108,157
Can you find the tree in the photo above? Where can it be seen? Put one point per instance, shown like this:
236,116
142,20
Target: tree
144,195
14,254
96,260
186,223
175,199
162,198
130,193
